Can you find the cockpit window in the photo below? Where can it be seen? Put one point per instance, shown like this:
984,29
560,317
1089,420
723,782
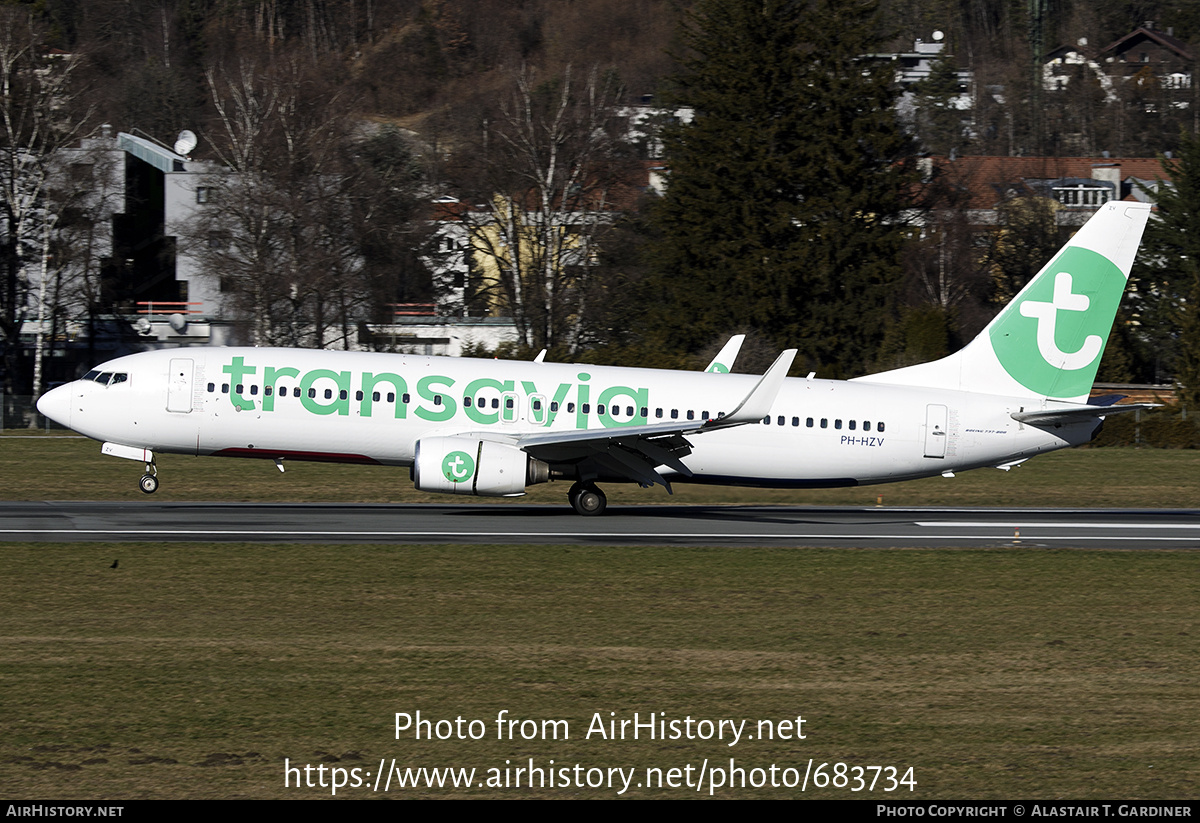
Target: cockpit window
107,378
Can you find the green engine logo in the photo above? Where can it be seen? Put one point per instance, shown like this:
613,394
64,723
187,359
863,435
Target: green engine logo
458,467
1051,341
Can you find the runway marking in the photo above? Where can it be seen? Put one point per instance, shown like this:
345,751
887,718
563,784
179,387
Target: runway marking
1036,525
1001,535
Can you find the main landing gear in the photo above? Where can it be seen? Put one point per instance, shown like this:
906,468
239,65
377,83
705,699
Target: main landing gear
586,499
149,481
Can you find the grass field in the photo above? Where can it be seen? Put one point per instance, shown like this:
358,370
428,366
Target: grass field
43,468
194,670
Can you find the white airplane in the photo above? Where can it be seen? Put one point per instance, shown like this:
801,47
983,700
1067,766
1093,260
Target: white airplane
493,427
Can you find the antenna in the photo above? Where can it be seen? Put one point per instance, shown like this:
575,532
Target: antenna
186,142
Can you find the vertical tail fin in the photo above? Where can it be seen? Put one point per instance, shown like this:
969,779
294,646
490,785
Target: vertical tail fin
1048,341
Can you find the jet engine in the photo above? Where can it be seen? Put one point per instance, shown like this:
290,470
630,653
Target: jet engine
468,465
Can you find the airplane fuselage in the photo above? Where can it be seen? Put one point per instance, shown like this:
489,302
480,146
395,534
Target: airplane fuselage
363,407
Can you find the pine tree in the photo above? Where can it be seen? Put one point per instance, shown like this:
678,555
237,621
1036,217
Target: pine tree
939,120
1168,287
785,190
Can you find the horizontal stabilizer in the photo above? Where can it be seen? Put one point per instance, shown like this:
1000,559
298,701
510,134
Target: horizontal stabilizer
1075,414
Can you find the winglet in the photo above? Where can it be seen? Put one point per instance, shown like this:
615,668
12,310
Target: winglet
723,362
761,398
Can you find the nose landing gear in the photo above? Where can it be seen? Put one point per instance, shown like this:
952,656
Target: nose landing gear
149,481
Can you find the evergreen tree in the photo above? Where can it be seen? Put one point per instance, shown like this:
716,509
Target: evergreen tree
939,120
785,189
1168,284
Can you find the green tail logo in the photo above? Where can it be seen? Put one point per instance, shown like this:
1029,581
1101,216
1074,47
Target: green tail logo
1051,338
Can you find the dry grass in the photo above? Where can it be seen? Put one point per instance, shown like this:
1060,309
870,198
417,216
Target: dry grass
195,670
74,469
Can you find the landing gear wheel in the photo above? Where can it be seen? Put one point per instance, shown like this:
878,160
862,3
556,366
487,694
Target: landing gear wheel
148,483
587,500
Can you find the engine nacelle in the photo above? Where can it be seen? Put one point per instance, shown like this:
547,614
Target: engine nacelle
468,465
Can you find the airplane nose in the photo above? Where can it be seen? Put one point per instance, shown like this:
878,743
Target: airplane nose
56,404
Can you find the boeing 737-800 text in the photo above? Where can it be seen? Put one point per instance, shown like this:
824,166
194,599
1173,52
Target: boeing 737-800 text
492,427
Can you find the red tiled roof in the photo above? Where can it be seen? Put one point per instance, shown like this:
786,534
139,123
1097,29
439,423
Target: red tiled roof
986,178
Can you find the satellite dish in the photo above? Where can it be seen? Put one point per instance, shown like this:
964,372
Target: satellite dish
937,38
186,142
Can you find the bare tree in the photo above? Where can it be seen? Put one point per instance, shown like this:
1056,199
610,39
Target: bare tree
296,221
35,121
552,168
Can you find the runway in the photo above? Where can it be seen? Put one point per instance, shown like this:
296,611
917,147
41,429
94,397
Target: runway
624,525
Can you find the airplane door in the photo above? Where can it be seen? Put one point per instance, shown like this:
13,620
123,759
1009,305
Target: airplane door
510,411
537,409
179,386
935,431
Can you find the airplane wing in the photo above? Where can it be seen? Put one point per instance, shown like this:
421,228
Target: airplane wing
723,362
1075,414
636,451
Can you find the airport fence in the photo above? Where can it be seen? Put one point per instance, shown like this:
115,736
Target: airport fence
19,412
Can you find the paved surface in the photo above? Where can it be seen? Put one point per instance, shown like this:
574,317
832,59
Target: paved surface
622,525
